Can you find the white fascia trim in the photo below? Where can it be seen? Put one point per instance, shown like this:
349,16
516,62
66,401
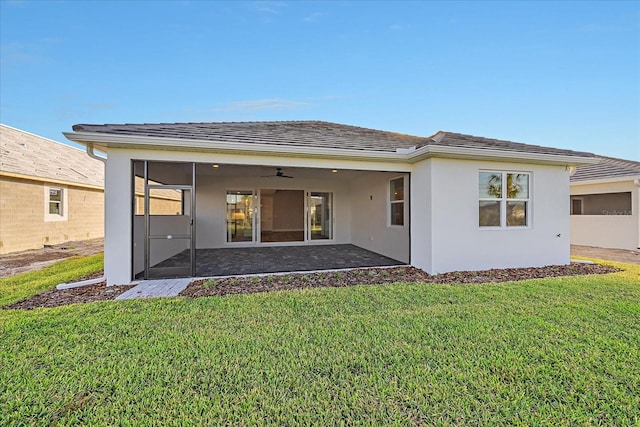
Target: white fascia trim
104,140
630,178
249,148
500,155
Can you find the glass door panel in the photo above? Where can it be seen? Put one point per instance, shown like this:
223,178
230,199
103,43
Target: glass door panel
169,231
282,215
320,216
240,217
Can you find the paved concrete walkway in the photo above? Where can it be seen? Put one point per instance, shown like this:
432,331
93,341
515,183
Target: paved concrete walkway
156,288
619,255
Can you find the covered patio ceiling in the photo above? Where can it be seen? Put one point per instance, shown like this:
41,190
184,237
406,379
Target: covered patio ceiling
250,171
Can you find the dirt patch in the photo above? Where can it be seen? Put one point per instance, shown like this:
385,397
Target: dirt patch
35,259
619,255
254,284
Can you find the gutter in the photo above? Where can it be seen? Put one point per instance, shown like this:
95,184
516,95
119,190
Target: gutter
401,155
102,278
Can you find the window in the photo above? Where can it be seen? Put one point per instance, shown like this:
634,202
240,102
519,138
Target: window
576,206
55,203
503,199
396,201
601,204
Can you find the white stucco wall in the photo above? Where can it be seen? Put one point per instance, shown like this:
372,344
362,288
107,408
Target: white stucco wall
421,216
370,227
443,208
607,231
118,208
458,243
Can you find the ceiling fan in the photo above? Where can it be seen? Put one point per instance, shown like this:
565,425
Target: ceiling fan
278,174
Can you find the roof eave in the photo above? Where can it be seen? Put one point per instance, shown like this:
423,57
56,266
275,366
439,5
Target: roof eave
499,155
590,181
50,180
102,142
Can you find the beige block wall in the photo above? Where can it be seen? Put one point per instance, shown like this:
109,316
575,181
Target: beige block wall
22,215
158,206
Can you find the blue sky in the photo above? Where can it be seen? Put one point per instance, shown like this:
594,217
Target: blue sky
562,74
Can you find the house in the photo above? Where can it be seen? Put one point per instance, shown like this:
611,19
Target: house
441,203
49,192
605,204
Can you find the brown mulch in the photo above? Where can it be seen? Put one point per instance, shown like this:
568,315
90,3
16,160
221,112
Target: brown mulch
56,298
254,284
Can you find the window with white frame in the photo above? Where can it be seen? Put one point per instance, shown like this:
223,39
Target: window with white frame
55,203
396,201
504,199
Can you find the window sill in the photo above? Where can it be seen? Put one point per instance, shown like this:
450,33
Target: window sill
54,218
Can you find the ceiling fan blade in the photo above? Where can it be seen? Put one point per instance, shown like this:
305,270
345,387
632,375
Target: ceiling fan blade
278,174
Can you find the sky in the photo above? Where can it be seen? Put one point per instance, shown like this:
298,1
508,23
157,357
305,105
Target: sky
560,74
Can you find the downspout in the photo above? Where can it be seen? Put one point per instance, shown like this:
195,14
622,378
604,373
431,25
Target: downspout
102,278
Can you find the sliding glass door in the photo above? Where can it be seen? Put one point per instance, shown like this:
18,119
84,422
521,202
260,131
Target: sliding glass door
281,216
240,216
320,216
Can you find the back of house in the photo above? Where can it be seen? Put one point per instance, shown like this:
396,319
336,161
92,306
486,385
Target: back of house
441,203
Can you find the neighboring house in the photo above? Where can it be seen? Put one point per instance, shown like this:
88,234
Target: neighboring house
49,192
605,204
441,203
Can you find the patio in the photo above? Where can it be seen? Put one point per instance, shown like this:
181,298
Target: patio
276,259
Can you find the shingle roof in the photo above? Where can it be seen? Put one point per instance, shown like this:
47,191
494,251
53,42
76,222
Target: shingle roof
293,133
314,134
607,167
451,139
27,154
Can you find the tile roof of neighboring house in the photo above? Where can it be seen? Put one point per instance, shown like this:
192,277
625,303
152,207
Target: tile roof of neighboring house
606,168
23,153
314,134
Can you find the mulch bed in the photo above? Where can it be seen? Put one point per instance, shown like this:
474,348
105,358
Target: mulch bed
254,284
374,276
56,298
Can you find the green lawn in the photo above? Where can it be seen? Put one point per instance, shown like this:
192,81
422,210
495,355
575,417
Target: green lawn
560,351
24,285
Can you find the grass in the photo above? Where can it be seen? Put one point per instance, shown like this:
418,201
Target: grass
24,285
561,351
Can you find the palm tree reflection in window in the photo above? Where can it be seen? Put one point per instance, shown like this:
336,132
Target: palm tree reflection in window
492,189
518,189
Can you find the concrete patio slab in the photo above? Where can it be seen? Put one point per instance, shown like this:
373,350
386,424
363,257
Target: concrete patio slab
274,259
156,288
